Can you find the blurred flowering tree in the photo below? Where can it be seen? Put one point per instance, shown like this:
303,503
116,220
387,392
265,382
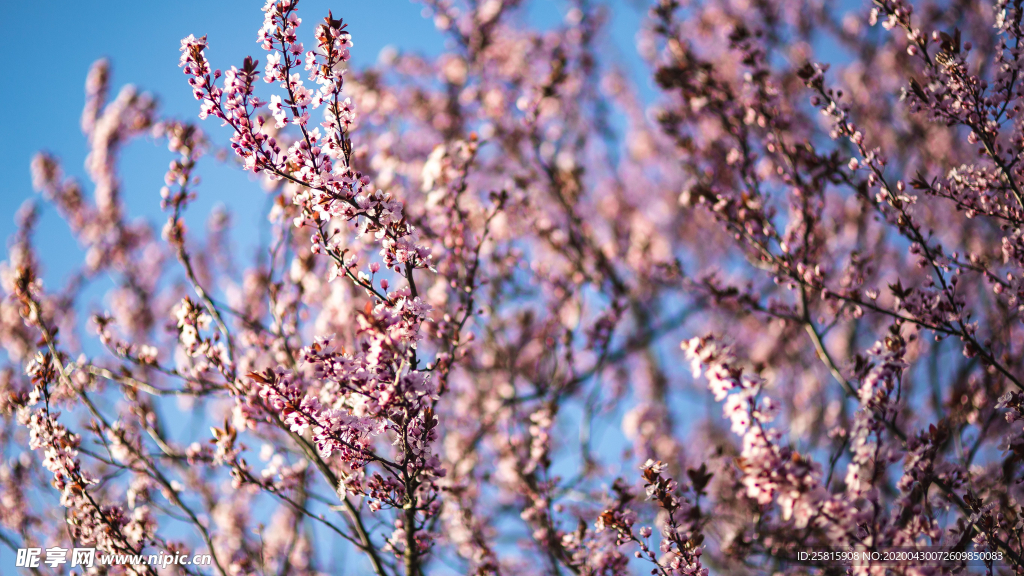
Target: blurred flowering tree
470,257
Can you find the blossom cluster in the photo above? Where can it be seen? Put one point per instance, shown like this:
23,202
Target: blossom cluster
457,345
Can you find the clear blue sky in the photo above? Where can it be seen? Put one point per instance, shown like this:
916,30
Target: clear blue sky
53,43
